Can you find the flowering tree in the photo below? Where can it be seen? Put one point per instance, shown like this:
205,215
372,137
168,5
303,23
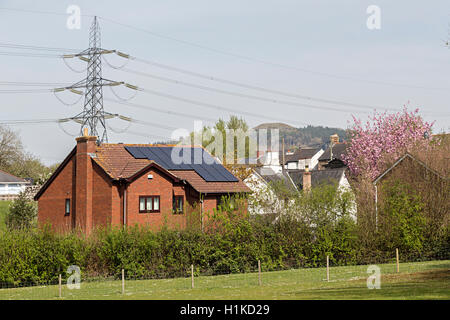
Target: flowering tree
382,139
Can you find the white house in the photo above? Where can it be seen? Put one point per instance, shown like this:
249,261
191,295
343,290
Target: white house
11,186
302,158
335,176
264,199
271,160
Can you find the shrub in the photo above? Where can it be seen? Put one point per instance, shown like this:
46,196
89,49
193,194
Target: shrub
22,213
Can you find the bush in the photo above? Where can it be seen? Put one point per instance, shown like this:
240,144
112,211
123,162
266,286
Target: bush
22,214
229,243
402,220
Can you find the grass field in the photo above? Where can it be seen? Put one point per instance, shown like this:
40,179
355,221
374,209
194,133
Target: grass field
422,280
4,205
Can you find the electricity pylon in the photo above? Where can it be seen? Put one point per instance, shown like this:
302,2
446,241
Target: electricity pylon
93,115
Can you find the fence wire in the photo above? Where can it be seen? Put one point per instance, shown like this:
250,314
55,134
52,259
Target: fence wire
225,284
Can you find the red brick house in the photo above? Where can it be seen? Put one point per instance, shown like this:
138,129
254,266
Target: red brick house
106,184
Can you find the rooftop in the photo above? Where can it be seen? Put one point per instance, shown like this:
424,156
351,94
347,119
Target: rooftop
6,177
338,150
318,177
118,163
299,154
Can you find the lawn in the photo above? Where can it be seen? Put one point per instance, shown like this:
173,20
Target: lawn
4,205
421,280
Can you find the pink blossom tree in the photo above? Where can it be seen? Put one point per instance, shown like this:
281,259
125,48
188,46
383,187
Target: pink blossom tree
384,138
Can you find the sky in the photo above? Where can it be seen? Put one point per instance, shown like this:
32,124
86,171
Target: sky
320,49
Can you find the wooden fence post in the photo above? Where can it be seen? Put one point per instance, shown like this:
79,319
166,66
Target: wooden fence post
328,268
398,262
192,276
259,272
60,286
123,281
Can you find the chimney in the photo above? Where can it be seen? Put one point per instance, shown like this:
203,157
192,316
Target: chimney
334,139
307,179
86,145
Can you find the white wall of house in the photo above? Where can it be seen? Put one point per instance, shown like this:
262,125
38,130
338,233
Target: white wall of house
271,160
302,163
292,165
11,188
315,159
263,199
344,185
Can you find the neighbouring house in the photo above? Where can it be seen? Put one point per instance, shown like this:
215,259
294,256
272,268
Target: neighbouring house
11,186
267,198
305,180
332,156
273,192
302,158
270,159
317,177
120,184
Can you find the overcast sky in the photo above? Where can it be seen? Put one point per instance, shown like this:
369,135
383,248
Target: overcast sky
321,49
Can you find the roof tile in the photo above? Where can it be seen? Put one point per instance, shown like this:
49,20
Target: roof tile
119,163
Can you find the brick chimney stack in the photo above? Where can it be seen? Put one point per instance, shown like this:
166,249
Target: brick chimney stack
306,179
334,139
86,145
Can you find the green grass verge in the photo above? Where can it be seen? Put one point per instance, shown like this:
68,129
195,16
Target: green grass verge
4,208
420,280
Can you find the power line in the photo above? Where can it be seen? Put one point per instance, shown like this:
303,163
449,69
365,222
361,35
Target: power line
239,56
41,12
161,110
208,77
274,64
30,54
31,84
26,90
38,48
212,106
146,135
243,95
250,86
30,121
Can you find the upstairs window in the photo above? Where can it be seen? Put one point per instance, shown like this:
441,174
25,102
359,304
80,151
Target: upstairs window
149,204
178,204
67,207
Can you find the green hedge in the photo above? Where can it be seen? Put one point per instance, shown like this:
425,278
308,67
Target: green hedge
40,255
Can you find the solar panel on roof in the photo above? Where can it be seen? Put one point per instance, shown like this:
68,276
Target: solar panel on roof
209,169
203,172
216,173
158,157
213,174
227,174
164,156
136,153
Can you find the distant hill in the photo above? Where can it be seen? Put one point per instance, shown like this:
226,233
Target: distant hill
275,125
310,136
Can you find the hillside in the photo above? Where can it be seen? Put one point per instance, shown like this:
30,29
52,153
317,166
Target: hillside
310,136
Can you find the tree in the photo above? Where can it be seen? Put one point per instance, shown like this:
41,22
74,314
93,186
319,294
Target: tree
384,138
11,147
402,217
14,159
22,213
236,129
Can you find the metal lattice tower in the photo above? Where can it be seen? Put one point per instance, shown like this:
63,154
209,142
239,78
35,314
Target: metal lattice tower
93,115
93,101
